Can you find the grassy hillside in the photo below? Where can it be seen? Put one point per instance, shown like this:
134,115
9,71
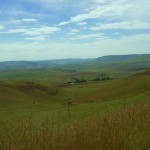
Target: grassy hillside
116,89
114,63
23,97
125,64
126,128
44,75
32,94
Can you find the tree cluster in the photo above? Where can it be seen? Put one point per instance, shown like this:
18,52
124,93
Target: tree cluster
98,78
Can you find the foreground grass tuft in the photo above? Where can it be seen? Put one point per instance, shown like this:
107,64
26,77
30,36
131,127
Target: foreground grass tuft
127,128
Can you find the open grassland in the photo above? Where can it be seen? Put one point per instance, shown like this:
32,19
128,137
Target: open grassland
40,97
70,111
47,75
121,129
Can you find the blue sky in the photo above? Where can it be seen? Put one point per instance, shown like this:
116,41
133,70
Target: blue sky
48,29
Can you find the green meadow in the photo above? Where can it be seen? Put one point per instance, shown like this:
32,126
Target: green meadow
37,104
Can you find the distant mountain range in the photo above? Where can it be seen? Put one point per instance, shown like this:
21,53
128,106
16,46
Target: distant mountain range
133,62
11,65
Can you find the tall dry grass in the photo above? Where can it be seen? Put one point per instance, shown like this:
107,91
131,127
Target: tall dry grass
127,128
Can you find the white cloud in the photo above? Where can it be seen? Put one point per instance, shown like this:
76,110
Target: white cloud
113,10
15,21
72,33
29,20
110,10
122,25
44,30
127,45
112,14
2,27
88,36
74,30
125,10
82,23
37,38
63,23
99,1
116,33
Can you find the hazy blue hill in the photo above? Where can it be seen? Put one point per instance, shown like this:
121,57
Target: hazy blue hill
10,65
129,62
112,62
68,61
115,58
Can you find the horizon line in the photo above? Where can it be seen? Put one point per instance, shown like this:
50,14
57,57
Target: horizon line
71,58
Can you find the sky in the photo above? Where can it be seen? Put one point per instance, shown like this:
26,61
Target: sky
56,29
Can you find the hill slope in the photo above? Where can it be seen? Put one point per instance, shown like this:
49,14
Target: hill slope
116,89
11,65
119,62
112,62
23,92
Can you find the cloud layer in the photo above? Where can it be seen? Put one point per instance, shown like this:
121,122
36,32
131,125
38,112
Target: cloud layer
68,28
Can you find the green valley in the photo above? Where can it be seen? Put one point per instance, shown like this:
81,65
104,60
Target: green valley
40,92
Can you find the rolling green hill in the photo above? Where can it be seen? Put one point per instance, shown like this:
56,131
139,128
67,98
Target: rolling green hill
115,65
42,96
118,62
44,91
115,62
28,96
119,89
62,71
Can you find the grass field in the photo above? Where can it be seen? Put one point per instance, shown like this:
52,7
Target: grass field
31,95
124,128
23,97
